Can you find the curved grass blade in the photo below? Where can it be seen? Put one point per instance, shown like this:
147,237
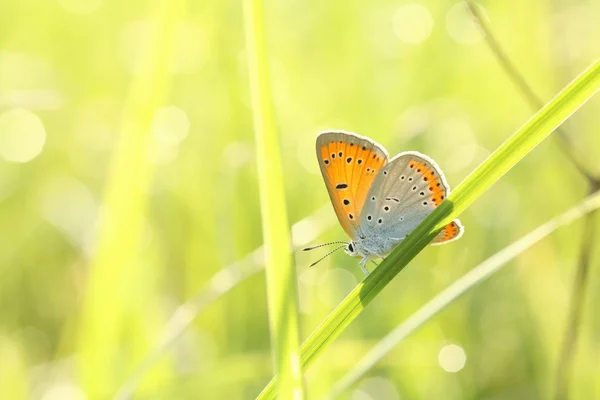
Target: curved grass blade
495,166
459,287
282,288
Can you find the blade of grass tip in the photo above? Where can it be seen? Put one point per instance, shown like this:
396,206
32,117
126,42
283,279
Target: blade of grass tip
459,287
497,164
304,231
122,219
282,289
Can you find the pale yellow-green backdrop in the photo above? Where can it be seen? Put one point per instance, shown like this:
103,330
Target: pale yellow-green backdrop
128,178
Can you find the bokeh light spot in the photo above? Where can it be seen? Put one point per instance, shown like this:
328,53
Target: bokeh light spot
413,23
70,206
189,46
461,25
238,154
452,358
170,125
162,154
376,388
22,135
64,390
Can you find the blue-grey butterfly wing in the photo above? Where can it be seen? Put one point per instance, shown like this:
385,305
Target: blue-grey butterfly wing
404,192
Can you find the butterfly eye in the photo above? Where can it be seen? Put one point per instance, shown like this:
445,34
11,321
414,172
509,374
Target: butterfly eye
351,248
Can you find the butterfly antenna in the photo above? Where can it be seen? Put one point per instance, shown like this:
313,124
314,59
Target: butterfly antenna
321,245
326,255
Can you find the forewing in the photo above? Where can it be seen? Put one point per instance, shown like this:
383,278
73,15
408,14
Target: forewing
349,164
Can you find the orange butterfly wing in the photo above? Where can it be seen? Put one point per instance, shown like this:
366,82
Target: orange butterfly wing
452,231
349,164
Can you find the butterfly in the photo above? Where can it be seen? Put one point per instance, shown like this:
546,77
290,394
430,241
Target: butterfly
379,201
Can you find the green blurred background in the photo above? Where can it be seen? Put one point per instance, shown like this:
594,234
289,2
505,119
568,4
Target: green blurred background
128,179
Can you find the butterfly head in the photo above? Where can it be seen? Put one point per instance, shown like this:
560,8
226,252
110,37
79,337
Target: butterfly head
350,249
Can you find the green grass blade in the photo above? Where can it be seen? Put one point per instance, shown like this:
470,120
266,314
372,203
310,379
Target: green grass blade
462,285
497,164
282,289
125,201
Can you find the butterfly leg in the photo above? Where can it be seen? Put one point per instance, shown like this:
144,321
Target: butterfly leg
363,265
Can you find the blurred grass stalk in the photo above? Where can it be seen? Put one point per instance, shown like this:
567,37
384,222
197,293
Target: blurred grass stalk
112,274
579,288
517,146
521,83
459,287
282,288
303,232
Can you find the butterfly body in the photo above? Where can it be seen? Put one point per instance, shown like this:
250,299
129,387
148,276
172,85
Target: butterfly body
379,201
370,248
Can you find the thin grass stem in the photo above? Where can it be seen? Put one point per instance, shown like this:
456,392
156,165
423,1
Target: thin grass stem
282,287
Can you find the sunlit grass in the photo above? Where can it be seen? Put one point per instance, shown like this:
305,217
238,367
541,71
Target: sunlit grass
496,165
111,305
282,287
170,301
